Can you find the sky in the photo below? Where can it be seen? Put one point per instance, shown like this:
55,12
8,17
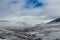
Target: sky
15,10
48,8
36,11
20,7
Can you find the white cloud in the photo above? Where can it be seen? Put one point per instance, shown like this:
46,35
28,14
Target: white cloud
13,8
21,22
52,8
32,20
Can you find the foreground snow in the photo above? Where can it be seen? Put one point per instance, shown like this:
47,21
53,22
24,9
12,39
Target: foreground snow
42,34
38,32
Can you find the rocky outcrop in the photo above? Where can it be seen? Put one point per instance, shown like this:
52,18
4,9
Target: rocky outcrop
55,21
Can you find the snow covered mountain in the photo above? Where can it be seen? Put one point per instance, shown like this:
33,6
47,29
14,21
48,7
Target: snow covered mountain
39,32
49,31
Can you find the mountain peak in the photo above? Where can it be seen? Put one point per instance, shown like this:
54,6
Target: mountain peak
55,21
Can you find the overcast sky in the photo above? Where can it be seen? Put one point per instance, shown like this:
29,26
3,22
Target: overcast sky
47,8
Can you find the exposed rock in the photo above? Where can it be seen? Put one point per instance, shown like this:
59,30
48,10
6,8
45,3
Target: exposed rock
38,39
55,21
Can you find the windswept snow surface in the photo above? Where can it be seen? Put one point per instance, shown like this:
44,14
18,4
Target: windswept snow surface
53,36
46,31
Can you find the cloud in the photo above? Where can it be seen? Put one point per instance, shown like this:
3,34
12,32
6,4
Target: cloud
14,25
8,7
11,7
33,20
21,22
52,8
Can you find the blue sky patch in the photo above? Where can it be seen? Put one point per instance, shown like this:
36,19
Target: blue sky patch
39,5
33,4
31,1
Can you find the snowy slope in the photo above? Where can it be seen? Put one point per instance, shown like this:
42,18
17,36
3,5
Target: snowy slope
49,31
